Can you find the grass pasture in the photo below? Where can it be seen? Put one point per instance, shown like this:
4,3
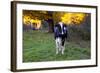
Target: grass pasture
40,46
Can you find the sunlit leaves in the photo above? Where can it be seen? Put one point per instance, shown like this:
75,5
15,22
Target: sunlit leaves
73,18
27,20
69,18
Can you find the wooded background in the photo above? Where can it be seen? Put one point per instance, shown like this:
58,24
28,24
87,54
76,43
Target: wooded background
79,24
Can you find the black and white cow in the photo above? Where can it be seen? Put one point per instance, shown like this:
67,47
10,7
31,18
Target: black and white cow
60,33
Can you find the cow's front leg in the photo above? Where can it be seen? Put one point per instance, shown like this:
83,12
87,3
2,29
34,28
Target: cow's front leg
63,46
62,51
57,47
57,50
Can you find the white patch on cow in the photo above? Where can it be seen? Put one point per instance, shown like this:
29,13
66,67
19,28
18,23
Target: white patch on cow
64,28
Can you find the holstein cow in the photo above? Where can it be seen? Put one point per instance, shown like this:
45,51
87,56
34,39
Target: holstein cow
60,33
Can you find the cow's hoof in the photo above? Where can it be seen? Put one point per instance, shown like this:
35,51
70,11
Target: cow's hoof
56,53
62,53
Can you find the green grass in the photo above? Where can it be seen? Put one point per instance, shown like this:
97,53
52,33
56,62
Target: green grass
40,46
